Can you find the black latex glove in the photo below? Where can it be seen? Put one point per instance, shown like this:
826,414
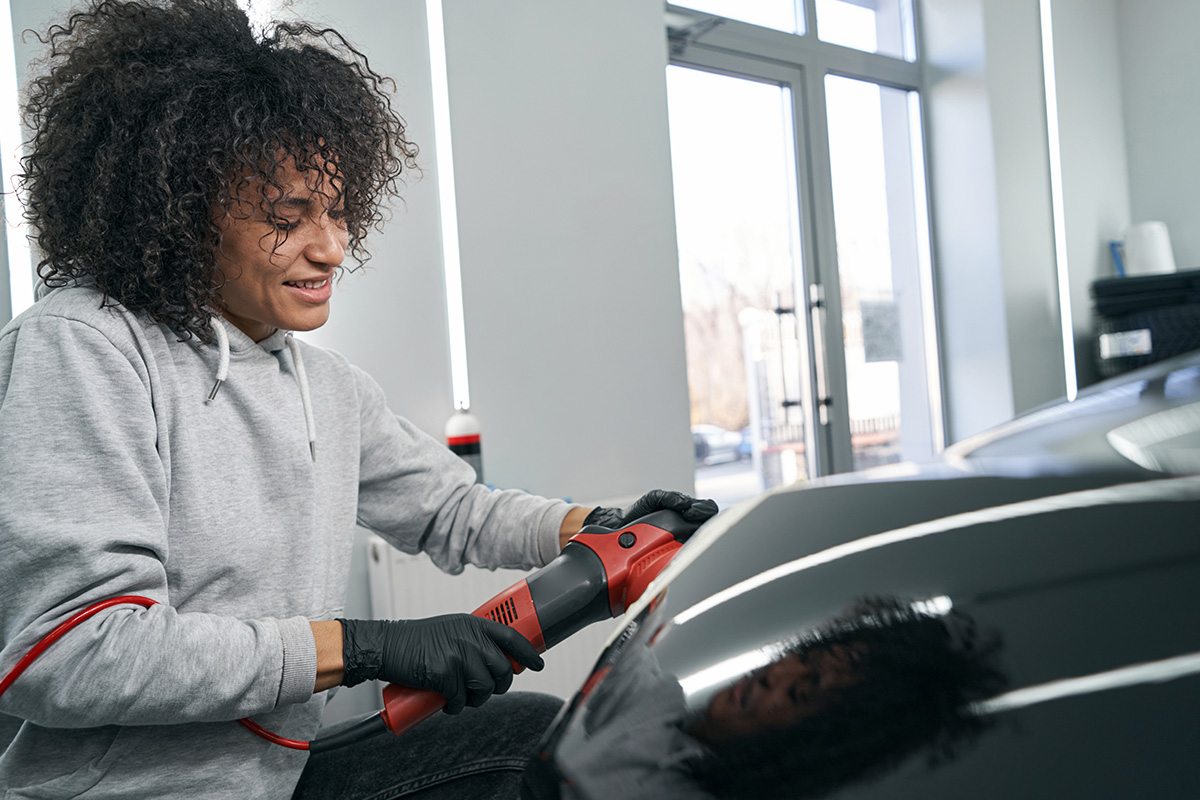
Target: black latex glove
691,509
460,656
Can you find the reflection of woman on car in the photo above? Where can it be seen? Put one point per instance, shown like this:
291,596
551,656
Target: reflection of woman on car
840,704
797,686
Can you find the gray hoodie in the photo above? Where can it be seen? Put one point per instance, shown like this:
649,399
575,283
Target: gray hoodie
119,475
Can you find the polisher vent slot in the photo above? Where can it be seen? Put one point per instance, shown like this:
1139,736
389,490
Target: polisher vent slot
505,613
645,561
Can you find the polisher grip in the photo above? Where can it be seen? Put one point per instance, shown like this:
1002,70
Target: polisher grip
405,707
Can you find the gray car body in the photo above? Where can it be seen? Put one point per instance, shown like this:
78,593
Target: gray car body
1071,534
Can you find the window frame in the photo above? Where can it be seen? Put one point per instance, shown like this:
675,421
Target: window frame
700,40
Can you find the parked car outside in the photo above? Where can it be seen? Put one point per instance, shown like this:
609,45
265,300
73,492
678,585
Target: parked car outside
746,447
1016,619
715,445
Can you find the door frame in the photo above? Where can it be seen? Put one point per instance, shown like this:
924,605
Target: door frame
801,63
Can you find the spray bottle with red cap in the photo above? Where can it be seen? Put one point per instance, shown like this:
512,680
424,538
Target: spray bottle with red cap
462,435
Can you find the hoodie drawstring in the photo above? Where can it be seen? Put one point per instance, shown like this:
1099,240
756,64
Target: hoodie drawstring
305,397
301,378
223,348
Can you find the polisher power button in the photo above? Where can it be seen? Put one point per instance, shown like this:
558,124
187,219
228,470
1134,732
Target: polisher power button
627,539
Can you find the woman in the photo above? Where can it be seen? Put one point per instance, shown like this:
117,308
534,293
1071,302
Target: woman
194,189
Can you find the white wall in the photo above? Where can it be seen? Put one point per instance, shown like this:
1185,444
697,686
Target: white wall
1017,101
570,276
1001,324
991,203
1160,82
972,328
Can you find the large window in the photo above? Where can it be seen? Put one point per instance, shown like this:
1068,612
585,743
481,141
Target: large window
803,239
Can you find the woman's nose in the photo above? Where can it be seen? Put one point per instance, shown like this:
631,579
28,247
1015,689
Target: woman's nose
329,244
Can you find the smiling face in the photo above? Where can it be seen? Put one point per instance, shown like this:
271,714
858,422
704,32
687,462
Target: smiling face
279,251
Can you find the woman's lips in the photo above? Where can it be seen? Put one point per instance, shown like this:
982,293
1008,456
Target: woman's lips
314,291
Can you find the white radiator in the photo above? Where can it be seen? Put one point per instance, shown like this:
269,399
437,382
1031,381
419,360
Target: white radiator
411,587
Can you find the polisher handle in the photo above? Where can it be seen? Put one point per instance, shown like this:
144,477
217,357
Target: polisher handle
405,707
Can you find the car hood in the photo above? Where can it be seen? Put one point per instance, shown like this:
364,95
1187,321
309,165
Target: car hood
1067,579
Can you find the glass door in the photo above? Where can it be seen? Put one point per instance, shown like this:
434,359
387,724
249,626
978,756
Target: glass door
733,149
887,356
805,272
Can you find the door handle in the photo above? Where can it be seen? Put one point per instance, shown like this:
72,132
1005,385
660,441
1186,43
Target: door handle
780,312
816,307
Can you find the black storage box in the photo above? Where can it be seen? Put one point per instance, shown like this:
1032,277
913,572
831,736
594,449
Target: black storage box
1145,319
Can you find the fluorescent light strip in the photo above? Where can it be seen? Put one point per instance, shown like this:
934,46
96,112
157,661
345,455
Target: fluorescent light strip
1173,490
20,262
1168,669
1056,201
455,317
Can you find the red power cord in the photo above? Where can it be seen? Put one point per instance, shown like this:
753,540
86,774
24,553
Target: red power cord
54,635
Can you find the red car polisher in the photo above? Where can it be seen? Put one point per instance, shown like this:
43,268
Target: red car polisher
596,577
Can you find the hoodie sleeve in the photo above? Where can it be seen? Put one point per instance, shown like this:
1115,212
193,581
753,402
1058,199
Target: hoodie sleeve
414,492
84,518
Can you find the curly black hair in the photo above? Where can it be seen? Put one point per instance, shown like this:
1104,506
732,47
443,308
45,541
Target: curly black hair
153,119
918,674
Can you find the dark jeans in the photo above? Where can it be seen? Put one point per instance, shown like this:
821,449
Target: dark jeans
477,754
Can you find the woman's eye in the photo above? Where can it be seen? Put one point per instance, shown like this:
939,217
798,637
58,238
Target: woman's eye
285,225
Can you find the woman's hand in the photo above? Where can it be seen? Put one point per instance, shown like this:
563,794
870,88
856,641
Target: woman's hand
691,509
460,656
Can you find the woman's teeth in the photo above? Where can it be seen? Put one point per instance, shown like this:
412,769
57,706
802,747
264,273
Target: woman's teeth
308,284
